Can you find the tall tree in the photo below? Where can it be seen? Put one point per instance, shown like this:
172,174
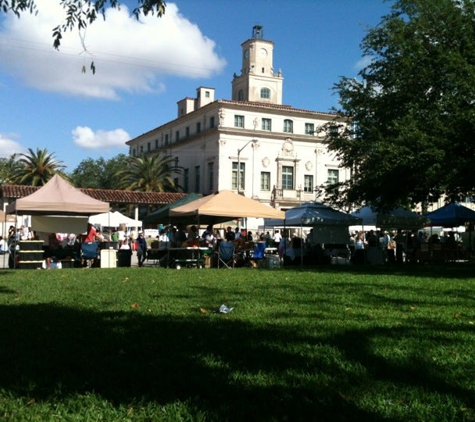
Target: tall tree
37,168
98,173
90,173
9,167
412,133
113,168
149,173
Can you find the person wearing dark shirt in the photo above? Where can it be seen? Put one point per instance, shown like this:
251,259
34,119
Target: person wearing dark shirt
141,249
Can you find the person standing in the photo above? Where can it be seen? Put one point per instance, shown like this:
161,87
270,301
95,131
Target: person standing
141,249
91,233
237,233
267,238
3,246
229,233
400,246
90,237
277,238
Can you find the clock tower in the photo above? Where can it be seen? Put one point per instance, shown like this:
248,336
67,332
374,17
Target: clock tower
258,82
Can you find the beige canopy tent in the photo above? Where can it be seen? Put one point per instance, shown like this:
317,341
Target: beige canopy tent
6,218
57,197
223,206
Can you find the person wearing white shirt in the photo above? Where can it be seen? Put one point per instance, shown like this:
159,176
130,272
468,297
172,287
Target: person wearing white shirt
163,240
277,238
3,246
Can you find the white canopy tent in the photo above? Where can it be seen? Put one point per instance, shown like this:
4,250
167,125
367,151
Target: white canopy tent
113,219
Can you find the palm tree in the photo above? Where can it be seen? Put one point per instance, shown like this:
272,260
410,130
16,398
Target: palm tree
37,168
150,173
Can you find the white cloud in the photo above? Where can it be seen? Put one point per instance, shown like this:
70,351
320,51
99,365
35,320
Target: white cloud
86,138
129,55
8,146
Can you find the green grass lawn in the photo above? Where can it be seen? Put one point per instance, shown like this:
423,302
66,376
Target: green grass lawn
336,343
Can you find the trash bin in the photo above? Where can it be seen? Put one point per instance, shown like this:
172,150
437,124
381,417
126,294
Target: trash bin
124,258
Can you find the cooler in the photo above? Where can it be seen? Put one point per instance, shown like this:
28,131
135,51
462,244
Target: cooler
108,258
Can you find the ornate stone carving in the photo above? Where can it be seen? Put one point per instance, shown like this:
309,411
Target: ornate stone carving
222,115
265,162
288,148
308,165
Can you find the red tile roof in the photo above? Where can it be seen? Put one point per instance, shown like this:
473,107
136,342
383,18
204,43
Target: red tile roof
107,195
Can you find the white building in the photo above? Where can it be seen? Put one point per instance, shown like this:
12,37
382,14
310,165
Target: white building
278,148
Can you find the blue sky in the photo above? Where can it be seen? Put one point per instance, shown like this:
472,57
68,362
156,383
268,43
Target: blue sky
144,68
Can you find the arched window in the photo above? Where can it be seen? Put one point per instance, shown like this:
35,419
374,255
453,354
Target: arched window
288,126
241,95
265,93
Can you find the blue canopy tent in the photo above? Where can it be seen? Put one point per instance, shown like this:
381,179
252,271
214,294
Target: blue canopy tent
451,215
397,218
329,225
314,213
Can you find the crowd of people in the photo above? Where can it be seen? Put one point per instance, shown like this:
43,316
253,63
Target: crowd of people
399,245
378,245
181,236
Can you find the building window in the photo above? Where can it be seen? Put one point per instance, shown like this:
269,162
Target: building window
198,127
309,128
177,136
210,176
149,147
207,94
287,177
334,130
211,122
156,143
265,93
187,131
240,95
141,149
234,177
166,139
197,179
308,183
265,180
333,176
186,180
239,121
288,126
267,124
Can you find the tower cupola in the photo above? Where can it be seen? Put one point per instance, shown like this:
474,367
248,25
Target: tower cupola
258,82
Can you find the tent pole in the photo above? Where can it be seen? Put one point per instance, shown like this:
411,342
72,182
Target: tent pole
15,241
4,235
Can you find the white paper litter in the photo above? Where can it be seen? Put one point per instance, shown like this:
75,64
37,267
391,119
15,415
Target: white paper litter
223,309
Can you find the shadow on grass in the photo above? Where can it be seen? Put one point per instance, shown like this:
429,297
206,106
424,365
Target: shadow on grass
420,370
49,352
